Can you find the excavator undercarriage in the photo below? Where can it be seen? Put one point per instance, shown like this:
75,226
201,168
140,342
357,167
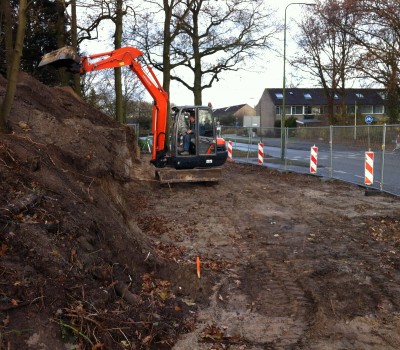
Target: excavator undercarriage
170,175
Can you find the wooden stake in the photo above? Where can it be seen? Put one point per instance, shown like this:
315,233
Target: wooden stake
198,266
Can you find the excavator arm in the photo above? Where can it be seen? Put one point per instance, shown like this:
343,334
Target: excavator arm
125,56
128,56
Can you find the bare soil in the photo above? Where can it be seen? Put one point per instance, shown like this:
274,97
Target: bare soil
95,254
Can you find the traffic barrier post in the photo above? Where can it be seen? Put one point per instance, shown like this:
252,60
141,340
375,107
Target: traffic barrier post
369,168
230,150
260,153
313,159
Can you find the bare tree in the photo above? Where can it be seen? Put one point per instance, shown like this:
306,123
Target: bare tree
173,20
218,38
328,52
117,19
378,34
206,39
150,37
114,11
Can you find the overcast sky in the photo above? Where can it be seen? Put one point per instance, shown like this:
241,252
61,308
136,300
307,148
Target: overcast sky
242,86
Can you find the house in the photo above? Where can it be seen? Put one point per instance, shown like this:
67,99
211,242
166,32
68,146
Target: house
233,115
309,106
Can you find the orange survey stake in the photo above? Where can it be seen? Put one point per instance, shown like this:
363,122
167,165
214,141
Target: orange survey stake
198,266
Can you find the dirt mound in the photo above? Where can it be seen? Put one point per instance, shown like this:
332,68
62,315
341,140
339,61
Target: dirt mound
75,266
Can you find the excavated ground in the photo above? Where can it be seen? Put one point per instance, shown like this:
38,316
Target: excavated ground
95,254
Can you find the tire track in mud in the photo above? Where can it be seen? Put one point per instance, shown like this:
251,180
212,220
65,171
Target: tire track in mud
261,305
269,307
274,294
352,287
258,304
283,293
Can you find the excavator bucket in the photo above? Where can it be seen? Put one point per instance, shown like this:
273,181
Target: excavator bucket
64,57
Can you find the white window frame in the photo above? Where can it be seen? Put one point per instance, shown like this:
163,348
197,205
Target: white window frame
365,109
307,110
295,109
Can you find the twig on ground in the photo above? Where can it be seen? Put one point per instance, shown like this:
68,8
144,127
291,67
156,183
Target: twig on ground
62,324
5,164
333,309
30,140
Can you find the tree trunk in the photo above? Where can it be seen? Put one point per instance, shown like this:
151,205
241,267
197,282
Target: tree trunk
197,81
61,37
8,35
14,69
74,41
166,48
119,108
392,94
166,60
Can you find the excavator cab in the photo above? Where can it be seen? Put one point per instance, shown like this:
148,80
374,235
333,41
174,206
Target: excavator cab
194,142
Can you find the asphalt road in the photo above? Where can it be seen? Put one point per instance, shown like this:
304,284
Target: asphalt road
340,164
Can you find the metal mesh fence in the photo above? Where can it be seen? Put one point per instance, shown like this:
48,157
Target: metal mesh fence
341,151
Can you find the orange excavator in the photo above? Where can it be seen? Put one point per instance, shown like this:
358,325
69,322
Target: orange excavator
184,158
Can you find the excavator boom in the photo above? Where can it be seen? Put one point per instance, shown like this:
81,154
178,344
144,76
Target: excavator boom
207,152
126,56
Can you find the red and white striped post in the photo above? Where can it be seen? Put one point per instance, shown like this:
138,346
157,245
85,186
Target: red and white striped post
230,150
260,153
313,159
369,168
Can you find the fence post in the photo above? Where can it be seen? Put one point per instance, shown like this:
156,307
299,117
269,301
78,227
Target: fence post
331,151
285,146
250,142
383,155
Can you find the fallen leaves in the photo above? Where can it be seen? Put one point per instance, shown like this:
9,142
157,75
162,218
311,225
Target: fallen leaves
217,334
384,229
24,125
156,287
6,321
212,332
3,249
170,251
217,265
